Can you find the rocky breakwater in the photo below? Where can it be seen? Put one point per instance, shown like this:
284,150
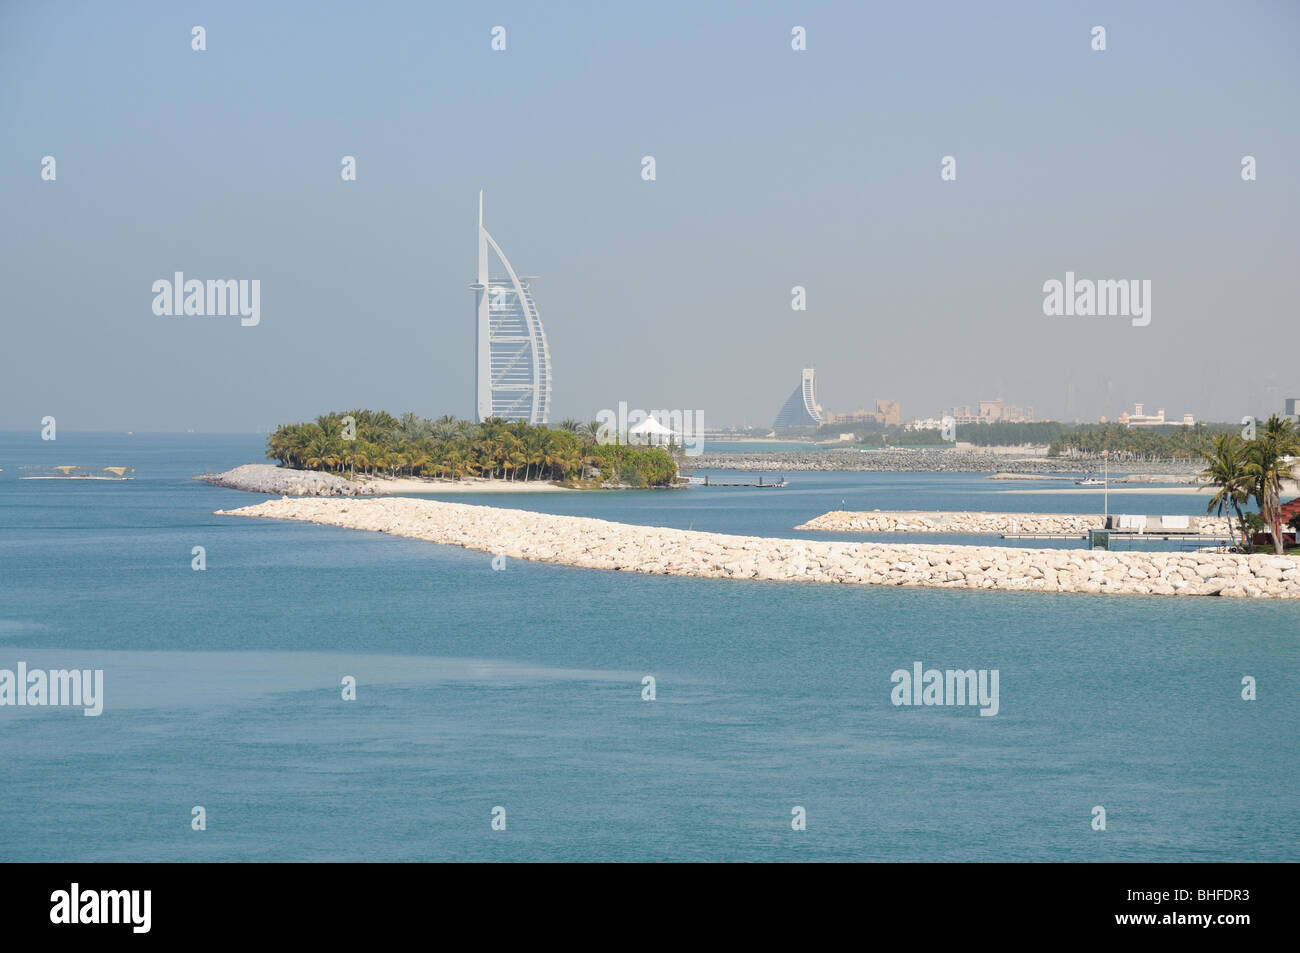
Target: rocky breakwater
901,521
1165,479
921,461
599,544
278,481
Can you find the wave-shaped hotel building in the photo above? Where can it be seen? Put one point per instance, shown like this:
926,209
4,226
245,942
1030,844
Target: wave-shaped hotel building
801,409
512,378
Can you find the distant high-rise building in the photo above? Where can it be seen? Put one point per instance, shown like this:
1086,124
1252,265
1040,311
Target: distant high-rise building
802,409
512,377
1292,406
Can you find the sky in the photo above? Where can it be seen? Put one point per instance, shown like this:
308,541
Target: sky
775,168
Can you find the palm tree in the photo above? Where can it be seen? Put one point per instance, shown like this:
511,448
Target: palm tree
534,450
418,460
507,446
1226,470
513,450
571,463
467,430
1271,462
361,456
320,452
591,431
411,427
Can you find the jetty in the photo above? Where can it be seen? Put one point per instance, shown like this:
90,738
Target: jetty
1021,525
705,481
601,544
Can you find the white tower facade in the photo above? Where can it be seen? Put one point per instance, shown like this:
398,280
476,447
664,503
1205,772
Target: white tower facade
801,408
512,377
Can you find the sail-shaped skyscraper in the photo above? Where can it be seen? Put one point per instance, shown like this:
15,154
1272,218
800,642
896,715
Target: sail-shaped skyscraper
801,408
513,372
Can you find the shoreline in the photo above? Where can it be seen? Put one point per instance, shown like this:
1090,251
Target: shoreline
588,543
1151,490
1181,479
404,485
996,524
991,461
282,481
1288,489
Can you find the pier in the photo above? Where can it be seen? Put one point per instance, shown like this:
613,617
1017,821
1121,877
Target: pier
1115,534
705,481
601,544
1024,525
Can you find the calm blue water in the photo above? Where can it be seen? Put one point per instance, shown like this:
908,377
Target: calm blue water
522,689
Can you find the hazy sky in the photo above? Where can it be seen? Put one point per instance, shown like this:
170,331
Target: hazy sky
775,168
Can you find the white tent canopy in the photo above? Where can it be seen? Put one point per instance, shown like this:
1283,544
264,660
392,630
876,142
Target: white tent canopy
650,428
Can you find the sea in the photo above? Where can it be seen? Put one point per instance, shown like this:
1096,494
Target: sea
506,714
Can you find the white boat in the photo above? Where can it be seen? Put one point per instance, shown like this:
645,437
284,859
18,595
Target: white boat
1089,481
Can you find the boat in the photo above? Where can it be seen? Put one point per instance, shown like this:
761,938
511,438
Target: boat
1089,481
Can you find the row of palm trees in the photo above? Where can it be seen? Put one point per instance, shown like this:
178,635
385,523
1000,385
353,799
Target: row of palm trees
1253,470
1137,443
374,442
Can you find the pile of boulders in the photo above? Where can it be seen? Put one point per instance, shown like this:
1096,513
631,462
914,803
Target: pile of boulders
279,481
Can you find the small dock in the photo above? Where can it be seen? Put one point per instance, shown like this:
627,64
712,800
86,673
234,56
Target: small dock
1114,534
705,481
1042,536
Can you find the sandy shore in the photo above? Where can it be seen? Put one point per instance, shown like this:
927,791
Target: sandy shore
600,544
404,485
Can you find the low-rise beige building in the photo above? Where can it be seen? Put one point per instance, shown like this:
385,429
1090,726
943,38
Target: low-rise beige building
1139,419
886,414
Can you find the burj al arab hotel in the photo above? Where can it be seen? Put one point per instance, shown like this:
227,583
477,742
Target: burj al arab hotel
512,379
